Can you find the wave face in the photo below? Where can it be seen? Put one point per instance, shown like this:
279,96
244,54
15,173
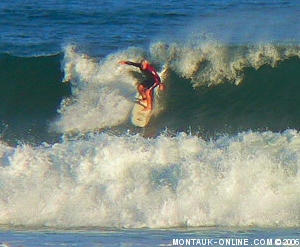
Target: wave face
212,89
31,92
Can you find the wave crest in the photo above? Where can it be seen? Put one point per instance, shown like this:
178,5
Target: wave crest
213,63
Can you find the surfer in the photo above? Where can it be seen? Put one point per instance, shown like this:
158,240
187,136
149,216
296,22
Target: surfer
152,80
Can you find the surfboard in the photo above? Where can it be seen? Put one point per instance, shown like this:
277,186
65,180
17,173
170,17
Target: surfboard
139,117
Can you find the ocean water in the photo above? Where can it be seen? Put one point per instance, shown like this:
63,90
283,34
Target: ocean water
219,161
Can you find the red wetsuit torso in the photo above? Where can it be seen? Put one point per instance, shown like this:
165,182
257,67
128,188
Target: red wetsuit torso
152,77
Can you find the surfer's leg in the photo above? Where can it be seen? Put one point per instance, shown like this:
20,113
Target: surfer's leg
149,97
141,90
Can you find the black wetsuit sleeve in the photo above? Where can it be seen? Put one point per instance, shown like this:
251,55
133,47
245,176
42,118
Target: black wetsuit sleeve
133,64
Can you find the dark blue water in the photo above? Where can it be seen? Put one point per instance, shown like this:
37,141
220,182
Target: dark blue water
221,150
100,27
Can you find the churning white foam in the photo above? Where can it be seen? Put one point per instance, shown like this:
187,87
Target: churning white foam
129,181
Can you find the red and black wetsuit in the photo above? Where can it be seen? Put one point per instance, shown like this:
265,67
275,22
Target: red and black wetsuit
152,77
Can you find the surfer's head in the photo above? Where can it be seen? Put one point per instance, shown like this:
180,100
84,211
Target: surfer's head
144,64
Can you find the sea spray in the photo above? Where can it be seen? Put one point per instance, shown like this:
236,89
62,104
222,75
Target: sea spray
103,93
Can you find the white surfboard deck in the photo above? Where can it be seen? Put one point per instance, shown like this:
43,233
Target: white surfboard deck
139,117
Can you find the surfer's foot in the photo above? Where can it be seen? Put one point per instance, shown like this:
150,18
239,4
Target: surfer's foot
147,109
140,100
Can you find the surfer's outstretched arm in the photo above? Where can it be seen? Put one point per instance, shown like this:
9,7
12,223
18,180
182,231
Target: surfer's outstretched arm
130,63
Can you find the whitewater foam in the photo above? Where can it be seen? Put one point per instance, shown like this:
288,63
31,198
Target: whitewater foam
105,180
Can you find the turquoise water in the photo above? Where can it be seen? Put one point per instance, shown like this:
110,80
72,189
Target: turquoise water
144,238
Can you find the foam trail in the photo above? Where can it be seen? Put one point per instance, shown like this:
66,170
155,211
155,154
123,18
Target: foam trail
109,181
